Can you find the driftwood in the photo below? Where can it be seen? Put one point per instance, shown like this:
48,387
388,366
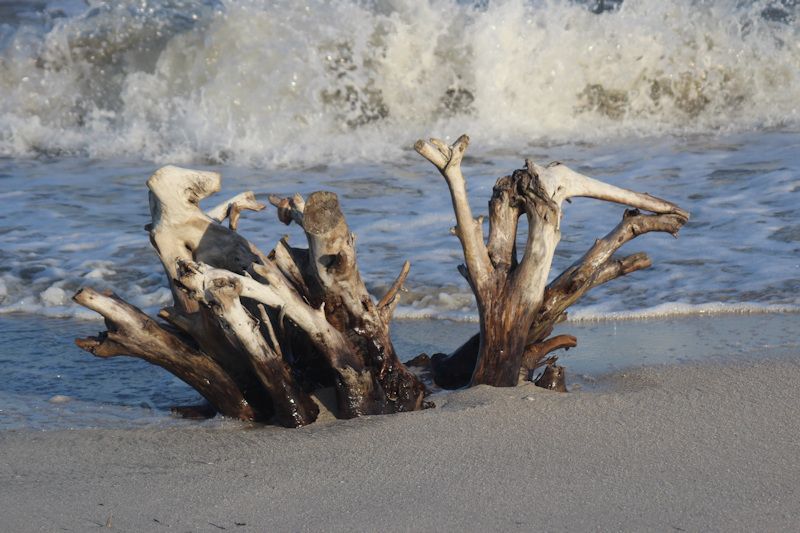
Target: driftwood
257,334
517,308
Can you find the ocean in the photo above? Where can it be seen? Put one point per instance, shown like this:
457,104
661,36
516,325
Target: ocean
696,101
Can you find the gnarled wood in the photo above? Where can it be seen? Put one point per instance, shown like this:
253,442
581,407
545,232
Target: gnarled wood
598,266
510,294
333,279
258,334
293,407
355,384
217,279
181,231
131,332
595,267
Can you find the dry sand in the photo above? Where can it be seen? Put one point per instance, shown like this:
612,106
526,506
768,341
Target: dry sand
673,448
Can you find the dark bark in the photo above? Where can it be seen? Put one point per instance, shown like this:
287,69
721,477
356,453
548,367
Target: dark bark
131,332
333,280
517,309
256,334
553,377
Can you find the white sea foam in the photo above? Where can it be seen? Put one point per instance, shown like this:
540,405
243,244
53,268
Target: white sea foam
674,309
605,312
644,97
247,81
54,296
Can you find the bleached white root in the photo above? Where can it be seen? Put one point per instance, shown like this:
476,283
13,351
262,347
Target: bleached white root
447,159
232,208
255,332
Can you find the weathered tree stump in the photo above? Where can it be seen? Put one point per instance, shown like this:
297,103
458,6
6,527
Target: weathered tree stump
516,307
240,317
256,334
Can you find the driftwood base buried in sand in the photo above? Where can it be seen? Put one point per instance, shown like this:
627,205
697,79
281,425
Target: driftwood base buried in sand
258,334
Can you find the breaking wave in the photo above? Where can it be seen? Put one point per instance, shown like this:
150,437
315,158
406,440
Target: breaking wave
296,82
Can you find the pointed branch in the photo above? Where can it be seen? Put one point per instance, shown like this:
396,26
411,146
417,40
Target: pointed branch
390,300
448,160
614,268
131,332
597,265
231,208
562,183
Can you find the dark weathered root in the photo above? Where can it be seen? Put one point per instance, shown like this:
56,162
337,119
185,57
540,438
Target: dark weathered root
254,334
131,332
516,306
553,377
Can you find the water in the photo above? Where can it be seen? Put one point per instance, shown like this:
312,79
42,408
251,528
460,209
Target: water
294,82
696,102
72,222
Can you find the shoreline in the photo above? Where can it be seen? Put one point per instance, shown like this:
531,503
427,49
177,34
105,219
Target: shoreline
675,424
687,447
50,384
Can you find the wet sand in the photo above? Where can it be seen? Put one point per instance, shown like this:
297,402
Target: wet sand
710,445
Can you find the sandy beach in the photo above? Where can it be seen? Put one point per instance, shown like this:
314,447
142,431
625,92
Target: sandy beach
691,447
684,410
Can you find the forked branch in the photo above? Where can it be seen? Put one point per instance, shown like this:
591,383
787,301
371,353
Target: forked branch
598,266
469,231
131,332
516,306
232,208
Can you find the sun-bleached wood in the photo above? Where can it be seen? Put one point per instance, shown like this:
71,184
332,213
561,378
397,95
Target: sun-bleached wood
468,230
293,407
259,334
182,231
277,325
511,292
131,332
232,208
